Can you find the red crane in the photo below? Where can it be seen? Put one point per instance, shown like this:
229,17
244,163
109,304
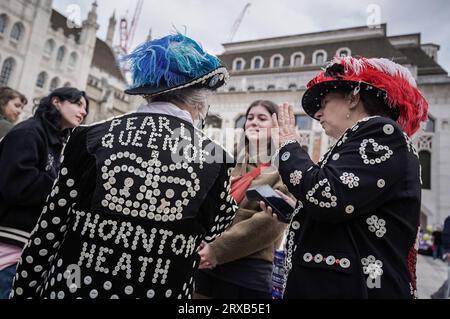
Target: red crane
127,30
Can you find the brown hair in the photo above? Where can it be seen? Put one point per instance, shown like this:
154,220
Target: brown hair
7,94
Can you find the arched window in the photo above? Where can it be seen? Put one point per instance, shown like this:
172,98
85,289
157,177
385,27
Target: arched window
430,125
276,61
319,57
425,165
240,122
67,84
232,89
49,47
7,70
297,59
238,64
343,52
3,22
257,62
303,122
54,84
73,59
271,87
213,121
17,31
251,88
292,86
61,53
41,79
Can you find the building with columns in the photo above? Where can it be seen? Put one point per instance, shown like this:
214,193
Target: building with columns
40,50
278,69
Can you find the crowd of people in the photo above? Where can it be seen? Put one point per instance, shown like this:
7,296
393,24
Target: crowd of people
146,205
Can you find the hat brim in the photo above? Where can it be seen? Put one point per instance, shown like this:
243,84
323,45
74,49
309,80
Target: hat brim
212,81
311,100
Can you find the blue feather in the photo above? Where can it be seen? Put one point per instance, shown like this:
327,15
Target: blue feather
176,59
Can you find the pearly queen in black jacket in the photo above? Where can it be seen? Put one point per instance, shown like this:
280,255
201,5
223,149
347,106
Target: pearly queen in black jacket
134,198
357,220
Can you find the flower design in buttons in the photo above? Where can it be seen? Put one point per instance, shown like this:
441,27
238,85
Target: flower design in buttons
325,186
378,149
350,179
372,267
377,226
296,177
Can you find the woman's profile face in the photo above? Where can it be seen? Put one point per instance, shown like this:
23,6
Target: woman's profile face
258,124
13,109
72,114
333,114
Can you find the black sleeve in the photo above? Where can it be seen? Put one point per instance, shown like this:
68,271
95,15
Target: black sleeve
357,175
52,226
219,208
22,180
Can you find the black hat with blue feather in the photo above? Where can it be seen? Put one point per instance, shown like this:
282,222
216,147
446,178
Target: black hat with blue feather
171,63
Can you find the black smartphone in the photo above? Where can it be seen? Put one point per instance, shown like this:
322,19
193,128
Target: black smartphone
266,194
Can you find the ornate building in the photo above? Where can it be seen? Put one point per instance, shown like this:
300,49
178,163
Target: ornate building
40,50
279,68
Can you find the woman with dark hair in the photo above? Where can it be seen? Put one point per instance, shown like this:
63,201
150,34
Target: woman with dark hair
12,103
29,162
238,264
355,227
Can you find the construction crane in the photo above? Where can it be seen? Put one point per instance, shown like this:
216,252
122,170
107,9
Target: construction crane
127,30
237,23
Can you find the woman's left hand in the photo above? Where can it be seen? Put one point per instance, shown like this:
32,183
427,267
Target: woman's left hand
285,123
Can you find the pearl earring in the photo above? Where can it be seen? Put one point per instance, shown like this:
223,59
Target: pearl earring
348,116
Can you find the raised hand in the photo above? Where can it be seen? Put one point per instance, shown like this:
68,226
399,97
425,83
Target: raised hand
285,123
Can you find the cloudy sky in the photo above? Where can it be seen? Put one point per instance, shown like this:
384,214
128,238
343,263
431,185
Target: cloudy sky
211,21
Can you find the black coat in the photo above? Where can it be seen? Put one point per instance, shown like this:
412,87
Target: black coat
355,231
134,198
29,161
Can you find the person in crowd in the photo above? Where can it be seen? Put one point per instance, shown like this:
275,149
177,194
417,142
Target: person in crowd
444,291
356,221
238,264
12,103
137,194
29,162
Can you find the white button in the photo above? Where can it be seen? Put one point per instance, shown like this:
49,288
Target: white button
285,156
87,280
296,225
344,263
318,258
330,260
307,257
150,294
93,294
388,129
107,285
349,209
336,157
381,183
128,290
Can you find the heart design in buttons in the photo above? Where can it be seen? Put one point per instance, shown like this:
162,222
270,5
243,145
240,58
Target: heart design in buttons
369,146
325,188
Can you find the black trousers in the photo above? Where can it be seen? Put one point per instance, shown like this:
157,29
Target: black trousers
216,288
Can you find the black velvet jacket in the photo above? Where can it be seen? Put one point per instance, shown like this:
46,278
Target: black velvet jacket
134,198
29,162
358,215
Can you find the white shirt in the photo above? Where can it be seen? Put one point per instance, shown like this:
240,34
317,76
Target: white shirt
167,109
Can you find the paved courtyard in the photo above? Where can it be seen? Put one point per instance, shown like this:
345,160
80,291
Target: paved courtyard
430,275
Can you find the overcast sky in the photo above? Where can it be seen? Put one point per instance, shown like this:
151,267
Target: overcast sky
211,21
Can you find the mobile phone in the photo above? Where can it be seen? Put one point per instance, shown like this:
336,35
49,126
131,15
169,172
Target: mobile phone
266,194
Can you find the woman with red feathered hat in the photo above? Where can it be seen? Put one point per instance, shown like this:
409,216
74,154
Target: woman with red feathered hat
357,214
